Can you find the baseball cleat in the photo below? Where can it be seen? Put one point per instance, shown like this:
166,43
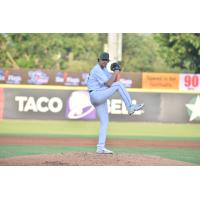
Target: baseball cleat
135,107
104,151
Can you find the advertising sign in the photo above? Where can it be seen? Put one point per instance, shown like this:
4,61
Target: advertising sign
10,77
34,104
160,80
37,77
54,77
57,104
79,106
189,82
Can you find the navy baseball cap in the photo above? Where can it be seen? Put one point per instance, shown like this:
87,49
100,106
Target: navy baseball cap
104,56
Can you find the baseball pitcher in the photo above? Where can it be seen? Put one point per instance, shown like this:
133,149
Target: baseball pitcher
101,85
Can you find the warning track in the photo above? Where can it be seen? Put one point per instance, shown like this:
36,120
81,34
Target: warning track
47,141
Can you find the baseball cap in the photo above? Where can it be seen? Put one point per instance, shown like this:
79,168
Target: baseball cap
104,56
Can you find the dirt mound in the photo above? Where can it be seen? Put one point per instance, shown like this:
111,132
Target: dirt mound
90,159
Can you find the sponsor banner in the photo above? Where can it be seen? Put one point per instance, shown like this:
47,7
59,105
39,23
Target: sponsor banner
34,104
117,109
75,105
67,78
160,80
52,77
1,102
189,82
78,106
10,77
47,104
159,107
37,77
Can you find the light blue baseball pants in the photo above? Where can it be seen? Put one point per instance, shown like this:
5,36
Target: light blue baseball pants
99,101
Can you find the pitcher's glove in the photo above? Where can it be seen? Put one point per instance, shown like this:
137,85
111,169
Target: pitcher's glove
115,66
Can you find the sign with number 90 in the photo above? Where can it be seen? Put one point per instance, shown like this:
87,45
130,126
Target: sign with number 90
189,82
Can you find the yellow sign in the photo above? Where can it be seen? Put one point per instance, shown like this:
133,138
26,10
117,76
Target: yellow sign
160,80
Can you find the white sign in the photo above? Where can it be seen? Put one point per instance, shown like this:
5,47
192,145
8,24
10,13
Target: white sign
189,82
117,107
42,104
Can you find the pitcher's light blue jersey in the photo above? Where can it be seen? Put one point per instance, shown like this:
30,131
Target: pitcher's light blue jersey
97,78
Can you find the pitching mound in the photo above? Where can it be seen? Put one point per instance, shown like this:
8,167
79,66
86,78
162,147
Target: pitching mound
90,159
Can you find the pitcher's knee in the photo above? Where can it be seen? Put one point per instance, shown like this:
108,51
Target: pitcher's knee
118,83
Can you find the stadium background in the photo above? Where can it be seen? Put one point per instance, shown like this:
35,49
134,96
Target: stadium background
37,103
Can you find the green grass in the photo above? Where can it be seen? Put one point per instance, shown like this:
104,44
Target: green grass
90,129
186,155
20,150
181,154
84,129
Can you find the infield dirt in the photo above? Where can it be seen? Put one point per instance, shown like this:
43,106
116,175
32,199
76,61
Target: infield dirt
90,159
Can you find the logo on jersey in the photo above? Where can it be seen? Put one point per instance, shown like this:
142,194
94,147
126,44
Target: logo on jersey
193,108
79,106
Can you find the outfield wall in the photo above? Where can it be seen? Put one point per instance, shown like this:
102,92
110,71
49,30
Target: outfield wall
145,80
72,103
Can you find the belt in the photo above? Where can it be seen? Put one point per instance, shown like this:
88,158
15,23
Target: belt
90,91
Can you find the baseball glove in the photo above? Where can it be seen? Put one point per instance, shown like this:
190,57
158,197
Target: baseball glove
115,66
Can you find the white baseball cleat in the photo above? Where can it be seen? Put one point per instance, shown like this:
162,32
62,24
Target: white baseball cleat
135,107
104,151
